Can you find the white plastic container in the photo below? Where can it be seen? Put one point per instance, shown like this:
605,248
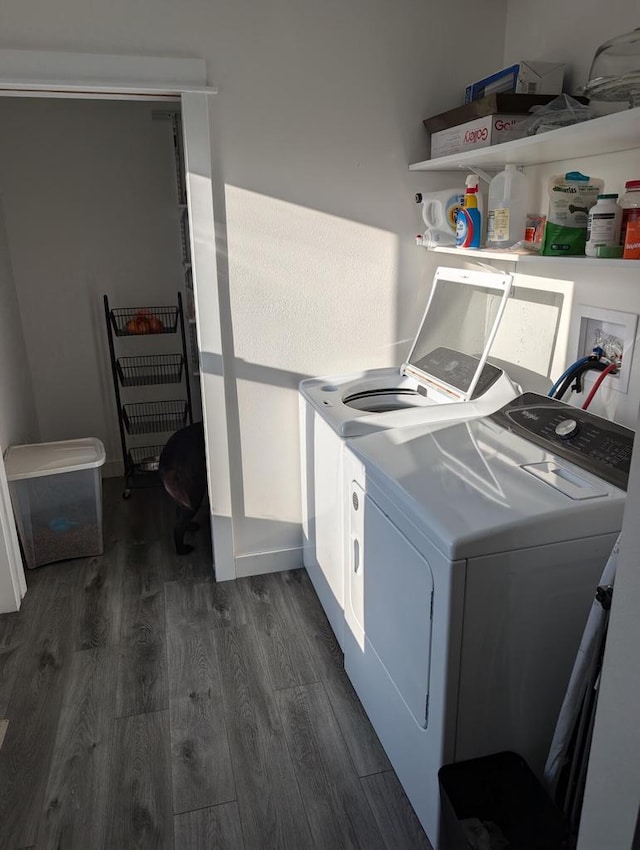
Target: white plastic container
439,212
56,495
603,224
507,208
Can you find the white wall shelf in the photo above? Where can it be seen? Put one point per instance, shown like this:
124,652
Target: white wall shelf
608,134
473,254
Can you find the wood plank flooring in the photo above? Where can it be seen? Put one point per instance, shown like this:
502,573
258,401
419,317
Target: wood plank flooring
150,707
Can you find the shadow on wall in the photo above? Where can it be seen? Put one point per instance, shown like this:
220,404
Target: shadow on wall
211,364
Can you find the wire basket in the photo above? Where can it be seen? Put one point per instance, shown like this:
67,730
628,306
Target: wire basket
150,369
144,321
154,416
144,459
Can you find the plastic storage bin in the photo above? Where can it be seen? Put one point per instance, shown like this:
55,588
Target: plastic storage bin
56,495
501,794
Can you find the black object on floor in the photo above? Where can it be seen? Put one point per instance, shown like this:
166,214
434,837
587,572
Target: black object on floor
499,790
183,472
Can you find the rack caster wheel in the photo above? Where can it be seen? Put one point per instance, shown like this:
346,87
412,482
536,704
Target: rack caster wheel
126,494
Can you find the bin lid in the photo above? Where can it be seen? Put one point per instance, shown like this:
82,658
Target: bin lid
39,459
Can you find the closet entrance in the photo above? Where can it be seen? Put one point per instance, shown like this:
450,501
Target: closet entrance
24,75
94,203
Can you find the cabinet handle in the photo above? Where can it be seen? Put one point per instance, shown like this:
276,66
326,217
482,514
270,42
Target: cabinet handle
356,555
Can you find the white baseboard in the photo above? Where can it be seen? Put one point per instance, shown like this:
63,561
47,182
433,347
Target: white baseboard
259,563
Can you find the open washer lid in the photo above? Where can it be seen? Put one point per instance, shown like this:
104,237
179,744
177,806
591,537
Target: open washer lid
457,330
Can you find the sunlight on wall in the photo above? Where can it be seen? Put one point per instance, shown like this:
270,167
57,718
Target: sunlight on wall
308,289
309,292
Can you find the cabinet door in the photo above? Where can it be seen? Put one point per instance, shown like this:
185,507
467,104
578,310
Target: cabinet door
390,601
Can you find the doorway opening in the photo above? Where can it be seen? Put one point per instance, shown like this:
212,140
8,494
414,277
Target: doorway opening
59,75
93,196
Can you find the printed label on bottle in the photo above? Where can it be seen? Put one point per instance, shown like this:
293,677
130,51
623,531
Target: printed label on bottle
468,228
602,230
632,240
498,225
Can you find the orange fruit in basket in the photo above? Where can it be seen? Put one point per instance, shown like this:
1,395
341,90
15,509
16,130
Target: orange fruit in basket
155,324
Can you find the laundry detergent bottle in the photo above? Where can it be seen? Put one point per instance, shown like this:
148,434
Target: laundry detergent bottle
469,220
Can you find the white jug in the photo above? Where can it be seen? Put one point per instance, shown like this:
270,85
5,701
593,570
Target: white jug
439,211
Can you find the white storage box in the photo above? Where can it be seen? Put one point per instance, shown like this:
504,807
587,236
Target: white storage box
479,133
56,493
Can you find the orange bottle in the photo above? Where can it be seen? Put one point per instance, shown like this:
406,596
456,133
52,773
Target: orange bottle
630,230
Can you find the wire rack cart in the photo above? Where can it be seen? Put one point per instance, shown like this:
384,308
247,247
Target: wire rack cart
141,417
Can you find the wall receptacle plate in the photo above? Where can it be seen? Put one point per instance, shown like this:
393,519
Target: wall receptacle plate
590,324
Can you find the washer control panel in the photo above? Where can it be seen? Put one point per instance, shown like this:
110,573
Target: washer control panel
601,447
567,428
457,370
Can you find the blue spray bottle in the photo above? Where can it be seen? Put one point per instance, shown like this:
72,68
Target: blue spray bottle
469,220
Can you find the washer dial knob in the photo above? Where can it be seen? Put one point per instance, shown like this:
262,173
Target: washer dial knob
567,428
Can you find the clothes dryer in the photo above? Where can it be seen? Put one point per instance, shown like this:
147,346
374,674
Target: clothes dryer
474,552
446,377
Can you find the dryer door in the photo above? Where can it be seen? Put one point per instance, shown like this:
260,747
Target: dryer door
390,601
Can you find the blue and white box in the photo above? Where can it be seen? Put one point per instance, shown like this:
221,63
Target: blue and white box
524,77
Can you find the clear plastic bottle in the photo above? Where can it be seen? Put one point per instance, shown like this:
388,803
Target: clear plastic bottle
507,208
630,203
603,224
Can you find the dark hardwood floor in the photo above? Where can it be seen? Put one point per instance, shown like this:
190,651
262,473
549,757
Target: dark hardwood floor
150,707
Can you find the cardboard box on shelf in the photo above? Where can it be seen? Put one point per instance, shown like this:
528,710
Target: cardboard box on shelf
480,133
524,77
493,104
488,121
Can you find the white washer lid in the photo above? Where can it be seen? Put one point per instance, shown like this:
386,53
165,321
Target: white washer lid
39,459
457,330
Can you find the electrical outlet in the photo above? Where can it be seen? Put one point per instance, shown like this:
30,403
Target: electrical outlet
614,332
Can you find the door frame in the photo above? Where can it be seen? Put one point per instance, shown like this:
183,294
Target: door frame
27,73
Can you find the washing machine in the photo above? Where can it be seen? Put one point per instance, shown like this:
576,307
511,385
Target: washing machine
446,377
473,554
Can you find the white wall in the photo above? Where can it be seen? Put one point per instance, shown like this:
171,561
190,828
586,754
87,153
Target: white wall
18,423
569,32
319,113
90,206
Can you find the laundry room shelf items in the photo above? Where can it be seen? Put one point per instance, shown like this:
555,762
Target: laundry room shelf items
143,411
608,134
604,135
